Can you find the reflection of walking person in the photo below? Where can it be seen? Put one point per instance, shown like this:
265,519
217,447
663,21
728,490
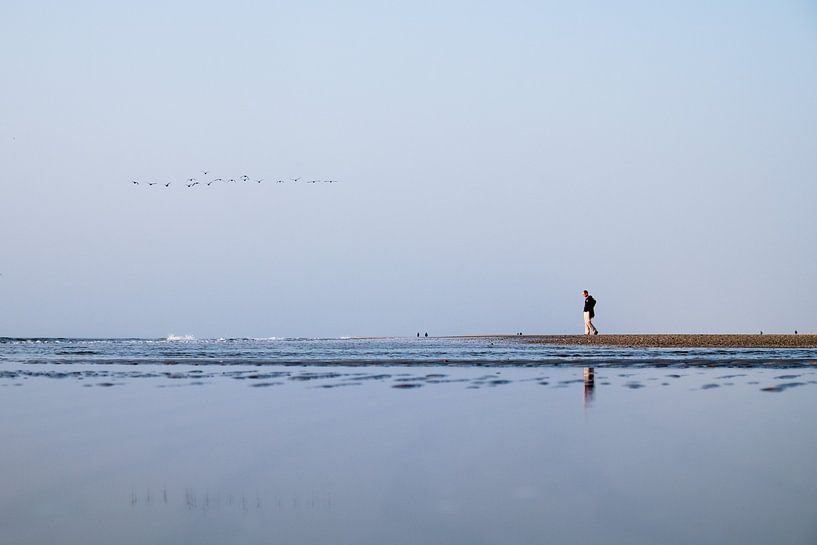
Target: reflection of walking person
589,384
589,314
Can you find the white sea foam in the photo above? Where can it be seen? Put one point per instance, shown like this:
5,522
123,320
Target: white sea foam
173,337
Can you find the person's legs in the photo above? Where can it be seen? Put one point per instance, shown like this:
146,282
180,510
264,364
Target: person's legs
588,325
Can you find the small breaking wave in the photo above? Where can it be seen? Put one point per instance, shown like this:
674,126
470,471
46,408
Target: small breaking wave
172,337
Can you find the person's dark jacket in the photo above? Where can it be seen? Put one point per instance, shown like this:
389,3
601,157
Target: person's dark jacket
589,305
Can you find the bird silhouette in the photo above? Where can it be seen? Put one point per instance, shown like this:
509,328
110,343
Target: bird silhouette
192,182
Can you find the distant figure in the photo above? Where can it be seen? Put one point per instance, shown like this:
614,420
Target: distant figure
418,334
426,333
589,314
795,332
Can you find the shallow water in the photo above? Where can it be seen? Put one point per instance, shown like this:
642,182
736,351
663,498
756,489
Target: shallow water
385,351
123,447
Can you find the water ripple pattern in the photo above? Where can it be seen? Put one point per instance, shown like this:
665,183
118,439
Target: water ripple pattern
382,351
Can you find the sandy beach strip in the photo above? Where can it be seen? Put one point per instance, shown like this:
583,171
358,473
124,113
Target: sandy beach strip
672,340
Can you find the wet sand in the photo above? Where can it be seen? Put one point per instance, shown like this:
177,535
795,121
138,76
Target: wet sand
676,340
229,454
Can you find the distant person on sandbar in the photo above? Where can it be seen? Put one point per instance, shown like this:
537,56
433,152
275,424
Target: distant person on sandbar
589,314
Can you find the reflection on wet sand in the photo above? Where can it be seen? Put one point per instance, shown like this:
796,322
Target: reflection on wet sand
589,385
369,464
350,376
205,501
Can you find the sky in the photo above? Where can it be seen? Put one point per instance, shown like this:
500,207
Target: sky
494,159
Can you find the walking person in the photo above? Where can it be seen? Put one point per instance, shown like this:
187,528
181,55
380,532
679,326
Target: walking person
589,314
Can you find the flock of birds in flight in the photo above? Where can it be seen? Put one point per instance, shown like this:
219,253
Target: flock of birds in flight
193,182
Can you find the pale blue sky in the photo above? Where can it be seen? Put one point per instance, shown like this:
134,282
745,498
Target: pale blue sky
495,159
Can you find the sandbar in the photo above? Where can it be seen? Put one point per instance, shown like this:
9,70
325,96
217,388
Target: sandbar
673,340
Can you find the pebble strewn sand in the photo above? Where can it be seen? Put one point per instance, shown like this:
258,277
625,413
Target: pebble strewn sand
679,340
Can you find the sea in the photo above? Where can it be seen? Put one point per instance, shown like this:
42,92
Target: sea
402,441
473,351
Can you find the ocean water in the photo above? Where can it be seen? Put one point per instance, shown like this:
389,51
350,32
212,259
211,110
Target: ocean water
378,351
403,441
